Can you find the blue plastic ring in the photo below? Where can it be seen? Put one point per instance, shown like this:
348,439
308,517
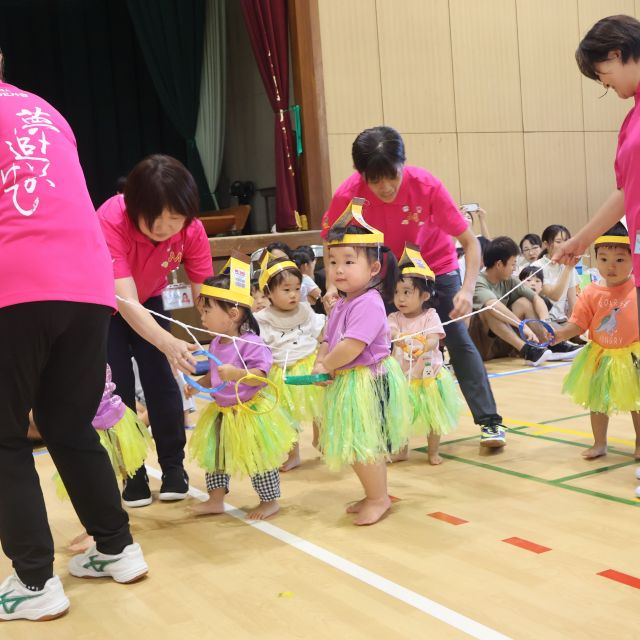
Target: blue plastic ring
197,385
548,328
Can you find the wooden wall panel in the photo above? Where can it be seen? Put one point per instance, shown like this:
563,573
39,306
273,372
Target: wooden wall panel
556,182
600,150
551,93
415,65
340,158
492,173
351,64
486,72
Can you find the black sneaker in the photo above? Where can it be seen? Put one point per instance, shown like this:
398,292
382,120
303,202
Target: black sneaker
175,485
136,489
564,351
534,355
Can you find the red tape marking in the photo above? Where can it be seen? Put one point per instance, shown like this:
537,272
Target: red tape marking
526,544
624,578
445,517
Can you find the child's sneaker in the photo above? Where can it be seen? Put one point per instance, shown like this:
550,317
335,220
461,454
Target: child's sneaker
638,473
19,603
534,355
124,567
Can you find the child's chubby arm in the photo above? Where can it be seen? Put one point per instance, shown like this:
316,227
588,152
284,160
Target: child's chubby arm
566,332
229,373
347,350
318,366
205,381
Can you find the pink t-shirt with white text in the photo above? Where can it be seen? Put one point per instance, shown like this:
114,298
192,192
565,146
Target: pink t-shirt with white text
422,213
51,246
149,264
364,318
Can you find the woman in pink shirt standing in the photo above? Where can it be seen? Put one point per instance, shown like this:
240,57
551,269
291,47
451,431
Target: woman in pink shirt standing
55,303
150,231
610,55
409,205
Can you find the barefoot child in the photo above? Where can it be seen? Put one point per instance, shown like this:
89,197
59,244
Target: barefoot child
366,409
243,431
435,398
604,376
290,328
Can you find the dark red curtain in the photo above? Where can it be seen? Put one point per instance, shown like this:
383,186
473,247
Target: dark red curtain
266,22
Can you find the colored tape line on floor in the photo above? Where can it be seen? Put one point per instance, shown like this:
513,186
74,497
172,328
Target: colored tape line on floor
445,517
527,544
623,578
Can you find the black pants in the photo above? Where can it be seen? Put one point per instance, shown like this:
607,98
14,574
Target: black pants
164,402
466,361
54,362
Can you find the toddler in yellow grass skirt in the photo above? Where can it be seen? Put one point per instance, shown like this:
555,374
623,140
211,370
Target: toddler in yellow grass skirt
367,411
604,376
291,328
244,430
416,331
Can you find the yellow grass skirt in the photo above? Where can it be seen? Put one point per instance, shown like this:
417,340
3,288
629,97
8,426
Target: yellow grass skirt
365,416
234,441
605,380
436,404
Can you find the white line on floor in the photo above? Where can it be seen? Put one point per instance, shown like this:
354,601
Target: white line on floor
413,599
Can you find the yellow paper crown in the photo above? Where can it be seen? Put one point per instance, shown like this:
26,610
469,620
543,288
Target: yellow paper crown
354,212
266,272
238,268
612,240
412,263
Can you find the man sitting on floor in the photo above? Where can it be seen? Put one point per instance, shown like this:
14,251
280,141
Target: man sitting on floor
499,323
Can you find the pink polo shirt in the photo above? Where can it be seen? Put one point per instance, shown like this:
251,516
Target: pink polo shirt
422,213
627,168
135,255
51,246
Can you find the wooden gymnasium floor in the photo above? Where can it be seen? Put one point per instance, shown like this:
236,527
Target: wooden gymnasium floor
308,573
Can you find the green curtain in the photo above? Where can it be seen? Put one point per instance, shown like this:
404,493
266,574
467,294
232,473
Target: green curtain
171,35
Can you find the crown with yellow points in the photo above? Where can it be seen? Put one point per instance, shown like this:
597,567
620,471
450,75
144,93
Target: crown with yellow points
612,240
278,264
238,268
412,264
353,212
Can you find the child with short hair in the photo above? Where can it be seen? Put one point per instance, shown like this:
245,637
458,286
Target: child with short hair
305,259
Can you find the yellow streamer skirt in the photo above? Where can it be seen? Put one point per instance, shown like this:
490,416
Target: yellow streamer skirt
303,402
128,443
365,416
436,404
605,380
235,441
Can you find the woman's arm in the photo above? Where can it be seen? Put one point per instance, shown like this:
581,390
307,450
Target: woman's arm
556,290
484,229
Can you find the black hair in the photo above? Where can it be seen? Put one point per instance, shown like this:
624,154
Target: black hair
157,183
248,322
277,279
1,66
255,284
378,153
529,271
303,255
550,233
120,184
615,32
424,285
532,238
385,281
282,246
618,230
499,249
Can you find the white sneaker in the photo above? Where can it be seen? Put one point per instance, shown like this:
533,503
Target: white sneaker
19,603
638,473
637,492
124,567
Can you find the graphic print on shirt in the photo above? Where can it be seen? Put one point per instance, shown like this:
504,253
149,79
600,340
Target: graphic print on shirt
29,150
412,216
173,257
609,324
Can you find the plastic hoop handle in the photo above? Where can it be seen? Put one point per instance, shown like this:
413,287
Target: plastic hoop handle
307,379
245,406
196,385
547,327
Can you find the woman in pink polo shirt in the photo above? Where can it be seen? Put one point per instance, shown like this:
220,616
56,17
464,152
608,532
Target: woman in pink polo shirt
610,55
408,204
150,231
56,299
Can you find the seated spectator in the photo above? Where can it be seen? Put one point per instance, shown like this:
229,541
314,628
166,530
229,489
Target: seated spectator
280,250
530,249
305,259
497,327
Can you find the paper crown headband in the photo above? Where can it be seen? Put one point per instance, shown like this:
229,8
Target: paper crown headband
412,263
266,272
612,240
238,268
353,212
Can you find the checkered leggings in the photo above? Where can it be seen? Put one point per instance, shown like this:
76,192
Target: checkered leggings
266,485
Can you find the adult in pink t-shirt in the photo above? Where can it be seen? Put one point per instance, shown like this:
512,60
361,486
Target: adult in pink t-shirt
409,205
56,299
150,231
608,54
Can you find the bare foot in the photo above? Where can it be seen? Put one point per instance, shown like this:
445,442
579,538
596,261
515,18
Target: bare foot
402,455
316,435
594,452
264,510
212,506
371,511
636,453
434,458
81,543
355,507
293,460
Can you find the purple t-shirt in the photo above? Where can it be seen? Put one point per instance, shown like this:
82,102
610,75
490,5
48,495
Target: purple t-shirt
256,355
363,318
